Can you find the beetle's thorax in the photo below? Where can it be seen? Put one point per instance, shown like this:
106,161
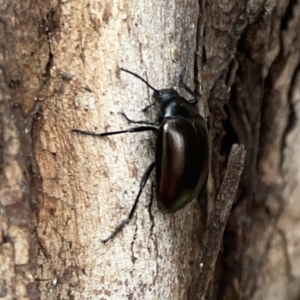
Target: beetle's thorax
172,105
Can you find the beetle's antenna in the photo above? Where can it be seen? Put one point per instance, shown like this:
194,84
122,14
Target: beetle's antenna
138,76
180,76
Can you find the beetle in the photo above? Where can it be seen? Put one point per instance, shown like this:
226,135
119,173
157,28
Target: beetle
182,148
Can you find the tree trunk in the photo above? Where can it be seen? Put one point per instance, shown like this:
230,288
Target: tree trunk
61,193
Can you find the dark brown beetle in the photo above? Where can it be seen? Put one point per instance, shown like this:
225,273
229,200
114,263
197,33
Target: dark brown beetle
182,149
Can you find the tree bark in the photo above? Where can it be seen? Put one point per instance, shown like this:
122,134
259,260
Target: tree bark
61,193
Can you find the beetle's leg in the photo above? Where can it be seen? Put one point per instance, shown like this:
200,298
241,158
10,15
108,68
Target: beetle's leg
134,129
136,122
133,209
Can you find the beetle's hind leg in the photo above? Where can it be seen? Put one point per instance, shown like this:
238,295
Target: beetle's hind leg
136,122
133,209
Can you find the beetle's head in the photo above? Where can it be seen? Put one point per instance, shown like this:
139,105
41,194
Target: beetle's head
164,95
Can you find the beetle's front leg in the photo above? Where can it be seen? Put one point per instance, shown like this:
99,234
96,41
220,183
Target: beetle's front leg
136,122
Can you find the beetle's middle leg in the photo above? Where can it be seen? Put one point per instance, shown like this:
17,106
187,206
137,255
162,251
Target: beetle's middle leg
133,209
136,122
131,130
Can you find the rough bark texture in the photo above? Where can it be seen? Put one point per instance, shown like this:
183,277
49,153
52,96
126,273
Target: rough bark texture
23,62
61,193
261,245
